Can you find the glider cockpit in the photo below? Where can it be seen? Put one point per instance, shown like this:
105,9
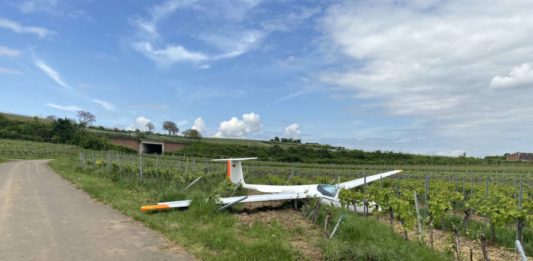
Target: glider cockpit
327,190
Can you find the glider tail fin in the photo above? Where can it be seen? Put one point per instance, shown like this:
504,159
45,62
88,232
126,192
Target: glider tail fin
234,169
234,172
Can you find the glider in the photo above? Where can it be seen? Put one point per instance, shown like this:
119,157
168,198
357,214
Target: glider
328,194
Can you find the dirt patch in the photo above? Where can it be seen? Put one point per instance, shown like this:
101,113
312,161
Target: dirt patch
304,234
473,217
261,206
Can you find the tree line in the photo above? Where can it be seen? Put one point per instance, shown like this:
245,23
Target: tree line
313,154
286,140
69,131
55,130
169,126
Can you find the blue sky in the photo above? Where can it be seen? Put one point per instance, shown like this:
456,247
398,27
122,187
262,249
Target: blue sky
414,76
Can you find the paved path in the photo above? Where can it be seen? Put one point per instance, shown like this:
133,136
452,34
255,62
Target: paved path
43,217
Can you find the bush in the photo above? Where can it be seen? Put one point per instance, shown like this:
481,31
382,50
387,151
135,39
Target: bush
60,130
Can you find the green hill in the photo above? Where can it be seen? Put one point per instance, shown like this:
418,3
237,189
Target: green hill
94,137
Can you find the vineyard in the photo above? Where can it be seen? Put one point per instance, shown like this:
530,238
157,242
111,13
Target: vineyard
16,149
489,204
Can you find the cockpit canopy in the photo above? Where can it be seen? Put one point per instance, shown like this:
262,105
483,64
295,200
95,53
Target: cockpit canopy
327,190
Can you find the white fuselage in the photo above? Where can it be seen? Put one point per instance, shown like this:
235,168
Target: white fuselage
310,190
307,189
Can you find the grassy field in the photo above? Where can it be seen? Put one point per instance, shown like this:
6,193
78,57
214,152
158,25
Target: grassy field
22,117
231,235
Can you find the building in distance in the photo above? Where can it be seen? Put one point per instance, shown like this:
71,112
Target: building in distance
520,156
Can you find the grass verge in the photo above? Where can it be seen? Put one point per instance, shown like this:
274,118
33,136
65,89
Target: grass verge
362,238
220,236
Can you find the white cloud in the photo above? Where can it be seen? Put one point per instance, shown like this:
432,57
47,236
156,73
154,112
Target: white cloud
293,95
199,125
140,123
10,71
230,47
147,27
28,7
53,7
157,13
236,44
51,73
436,62
292,131
105,104
238,31
233,11
237,128
72,108
518,77
453,153
5,51
169,55
18,28
291,20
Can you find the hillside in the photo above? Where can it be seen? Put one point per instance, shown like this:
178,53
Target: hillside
109,132
70,132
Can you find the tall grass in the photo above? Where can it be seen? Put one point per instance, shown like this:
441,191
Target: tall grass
362,238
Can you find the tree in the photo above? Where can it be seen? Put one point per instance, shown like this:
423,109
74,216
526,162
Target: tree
86,118
192,134
63,130
170,127
51,117
150,126
139,134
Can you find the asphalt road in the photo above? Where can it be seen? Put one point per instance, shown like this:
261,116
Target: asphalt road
44,217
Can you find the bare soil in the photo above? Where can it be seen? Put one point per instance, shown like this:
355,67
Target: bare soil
305,235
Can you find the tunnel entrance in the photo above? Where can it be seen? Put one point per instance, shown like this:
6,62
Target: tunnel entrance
151,148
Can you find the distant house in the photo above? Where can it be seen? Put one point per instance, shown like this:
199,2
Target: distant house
520,156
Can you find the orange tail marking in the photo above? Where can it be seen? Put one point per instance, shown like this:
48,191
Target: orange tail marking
228,175
154,208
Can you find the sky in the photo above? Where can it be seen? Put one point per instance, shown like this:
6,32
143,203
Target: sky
431,77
